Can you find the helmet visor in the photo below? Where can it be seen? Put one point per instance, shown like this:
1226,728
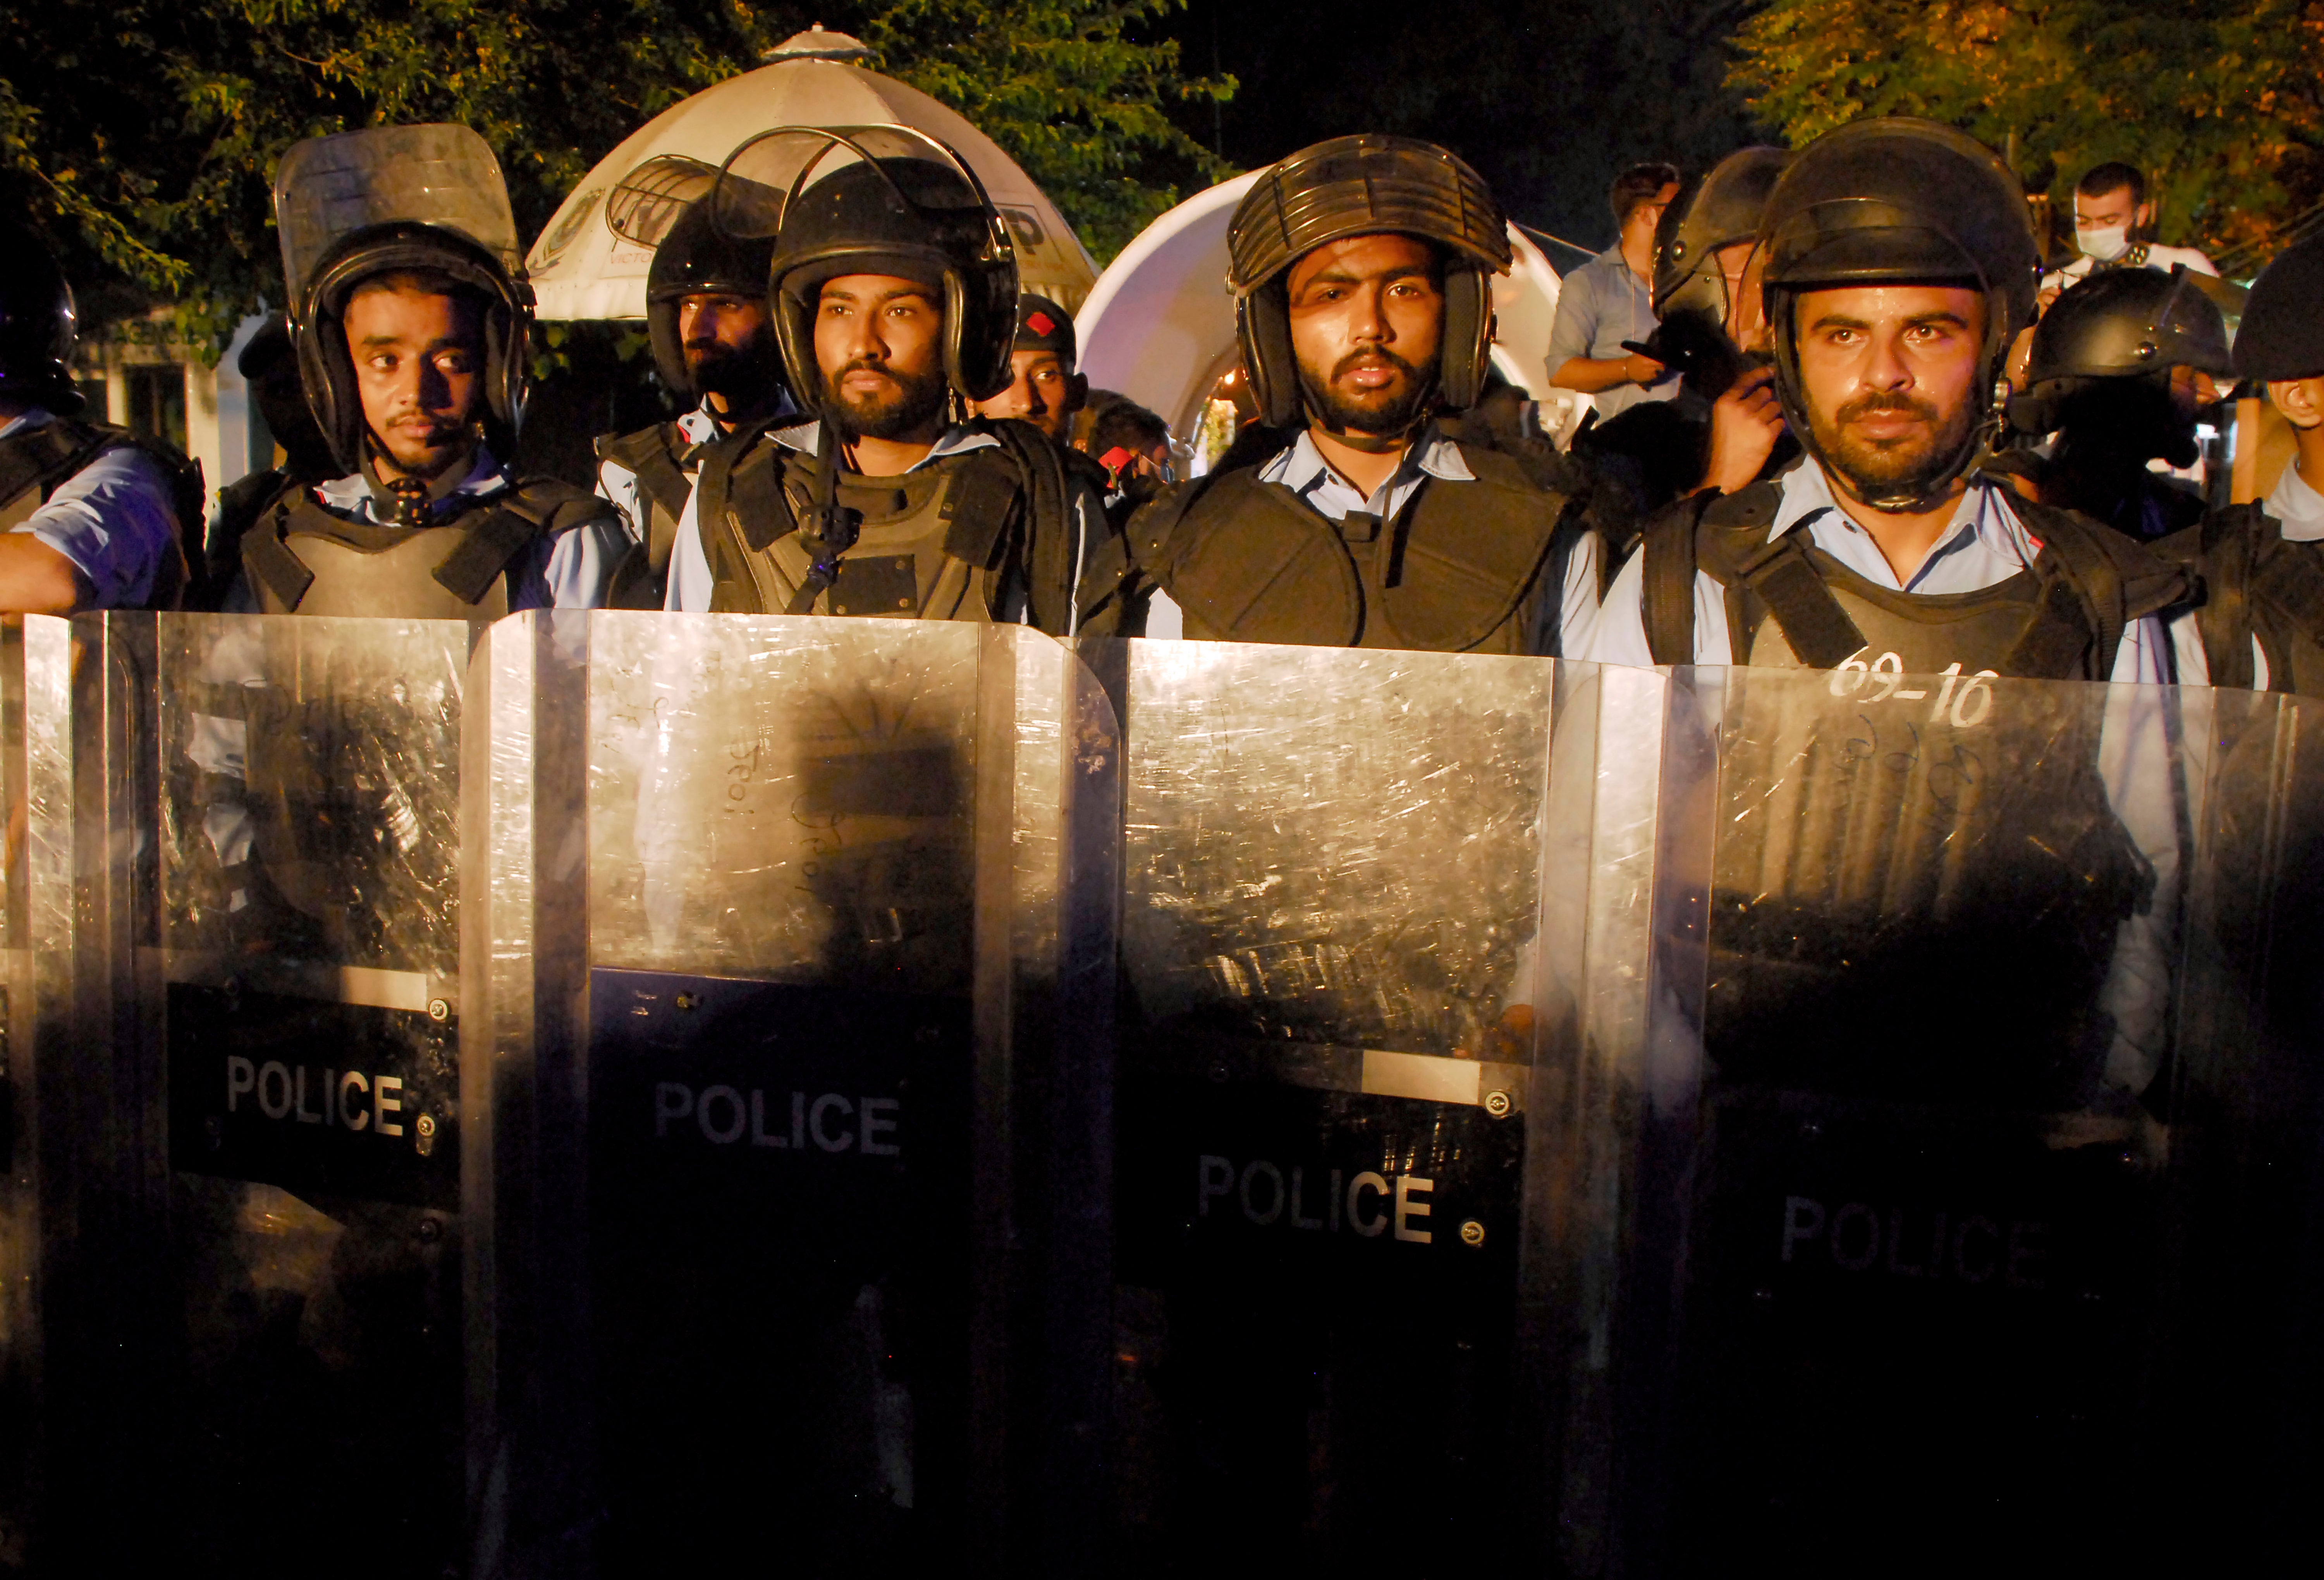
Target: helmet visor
764,176
649,201
329,188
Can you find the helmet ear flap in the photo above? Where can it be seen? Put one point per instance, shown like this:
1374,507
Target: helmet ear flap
668,355
794,336
981,330
1468,338
1263,325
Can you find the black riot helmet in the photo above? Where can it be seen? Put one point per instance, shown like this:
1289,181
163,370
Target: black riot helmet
358,205
2119,324
874,200
660,205
1690,289
37,325
1893,200
1364,185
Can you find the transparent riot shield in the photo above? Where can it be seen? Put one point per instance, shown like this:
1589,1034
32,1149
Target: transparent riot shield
1951,1103
787,1097
35,1008
1360,895
267,1135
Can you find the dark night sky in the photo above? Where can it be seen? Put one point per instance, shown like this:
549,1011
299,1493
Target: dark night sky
1547,98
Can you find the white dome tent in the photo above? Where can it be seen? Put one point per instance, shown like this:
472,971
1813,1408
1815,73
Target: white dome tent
1158,326
579,268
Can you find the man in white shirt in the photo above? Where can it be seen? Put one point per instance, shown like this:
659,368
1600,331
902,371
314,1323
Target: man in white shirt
2111,215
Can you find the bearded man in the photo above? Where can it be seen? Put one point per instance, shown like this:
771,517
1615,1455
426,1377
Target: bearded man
894,293
1387,513
1899,269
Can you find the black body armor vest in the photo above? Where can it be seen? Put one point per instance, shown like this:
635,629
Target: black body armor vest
36,463
958,538
303,558
1251,562
659,457
2256,583
1789,603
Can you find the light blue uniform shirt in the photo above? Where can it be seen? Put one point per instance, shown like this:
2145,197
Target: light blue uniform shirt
618,485
1557,620
116,519
570,569
691,583
1600,304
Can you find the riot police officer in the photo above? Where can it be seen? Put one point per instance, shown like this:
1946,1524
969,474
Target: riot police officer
714,344
1045,388
894,289
2119,369
1900,266
1724,428
1385,518
269,366
91,514
2261,621
398,250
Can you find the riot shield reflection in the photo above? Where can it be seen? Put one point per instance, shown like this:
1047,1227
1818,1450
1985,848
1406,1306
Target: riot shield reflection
788,1096
1356,895
269,1136
1920,1197
36,1098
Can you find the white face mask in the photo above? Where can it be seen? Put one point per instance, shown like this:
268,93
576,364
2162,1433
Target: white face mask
2104,245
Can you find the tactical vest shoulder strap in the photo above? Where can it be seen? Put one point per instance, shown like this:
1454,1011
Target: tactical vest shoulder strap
2216,555
1049,523
44,457
2285,580
1462,556
531,507
978,506
654,457
268,561
2097,582
1251,562
1703,530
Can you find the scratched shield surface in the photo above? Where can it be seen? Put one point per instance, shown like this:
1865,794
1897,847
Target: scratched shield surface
783,799
1332,874
782,821
300,853
1940,962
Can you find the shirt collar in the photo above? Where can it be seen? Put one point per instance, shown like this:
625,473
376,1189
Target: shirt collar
2297,506
352,495
36,417
1303,466
1982,511
954,440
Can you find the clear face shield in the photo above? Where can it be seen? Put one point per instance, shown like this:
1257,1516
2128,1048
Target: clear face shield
647,202
330,189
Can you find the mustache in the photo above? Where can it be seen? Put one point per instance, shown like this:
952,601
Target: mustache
1372,357
1880,401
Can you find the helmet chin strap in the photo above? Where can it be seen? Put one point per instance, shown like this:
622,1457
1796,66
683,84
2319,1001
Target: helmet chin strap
1373,443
